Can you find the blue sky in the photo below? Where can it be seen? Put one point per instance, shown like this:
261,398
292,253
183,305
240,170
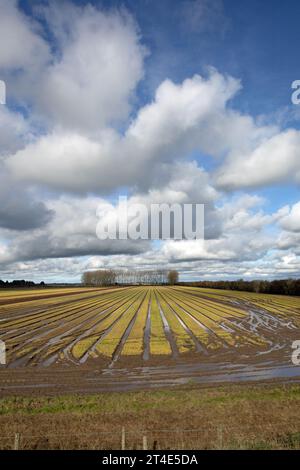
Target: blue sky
252,40
239,156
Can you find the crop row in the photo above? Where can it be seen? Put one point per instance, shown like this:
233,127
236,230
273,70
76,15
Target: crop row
136,321
54,326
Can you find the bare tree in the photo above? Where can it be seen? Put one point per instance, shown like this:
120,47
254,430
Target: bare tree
99,278
87,278
173,277
107,277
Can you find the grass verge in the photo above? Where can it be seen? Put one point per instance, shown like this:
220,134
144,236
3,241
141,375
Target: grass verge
252,417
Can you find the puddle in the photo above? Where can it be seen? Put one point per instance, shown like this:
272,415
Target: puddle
147,335
151,378
148,377
167,330
103,334
123,340
198,345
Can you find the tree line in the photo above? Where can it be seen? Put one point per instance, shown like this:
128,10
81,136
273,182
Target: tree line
19,283
109,277
279,287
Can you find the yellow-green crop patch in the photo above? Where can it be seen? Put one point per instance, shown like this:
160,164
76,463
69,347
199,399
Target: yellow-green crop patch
44,326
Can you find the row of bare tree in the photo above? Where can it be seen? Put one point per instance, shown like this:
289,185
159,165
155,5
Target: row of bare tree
109,277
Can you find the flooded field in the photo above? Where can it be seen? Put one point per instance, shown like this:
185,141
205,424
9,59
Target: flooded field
144,337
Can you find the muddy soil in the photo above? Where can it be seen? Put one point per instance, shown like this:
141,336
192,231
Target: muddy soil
96,375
